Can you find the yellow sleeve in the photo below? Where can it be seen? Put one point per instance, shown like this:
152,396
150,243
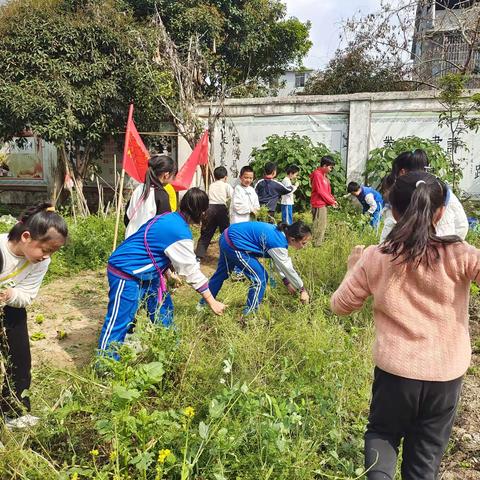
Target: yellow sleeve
172,196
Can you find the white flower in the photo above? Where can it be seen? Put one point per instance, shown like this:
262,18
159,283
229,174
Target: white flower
227,366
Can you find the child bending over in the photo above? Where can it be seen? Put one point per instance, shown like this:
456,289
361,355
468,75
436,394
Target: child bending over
136,269
370,199
242,244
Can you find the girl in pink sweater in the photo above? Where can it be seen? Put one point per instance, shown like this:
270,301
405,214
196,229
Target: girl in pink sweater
420,285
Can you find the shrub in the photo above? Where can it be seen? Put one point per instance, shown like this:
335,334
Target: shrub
88,247
293,149
379,163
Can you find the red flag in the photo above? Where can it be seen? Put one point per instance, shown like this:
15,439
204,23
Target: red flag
199,156
135,154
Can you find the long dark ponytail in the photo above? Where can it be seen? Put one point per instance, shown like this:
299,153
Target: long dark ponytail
416,197
157,164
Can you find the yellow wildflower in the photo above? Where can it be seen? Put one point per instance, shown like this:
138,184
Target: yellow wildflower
74,476
94,452
189,412
113,455
163,454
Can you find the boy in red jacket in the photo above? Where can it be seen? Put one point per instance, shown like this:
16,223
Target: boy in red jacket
321,198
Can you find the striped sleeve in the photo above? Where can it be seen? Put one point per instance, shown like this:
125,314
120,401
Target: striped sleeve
284,265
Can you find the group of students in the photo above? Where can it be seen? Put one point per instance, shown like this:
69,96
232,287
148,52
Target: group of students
419,276
162,242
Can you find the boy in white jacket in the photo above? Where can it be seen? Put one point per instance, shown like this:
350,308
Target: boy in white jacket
244,199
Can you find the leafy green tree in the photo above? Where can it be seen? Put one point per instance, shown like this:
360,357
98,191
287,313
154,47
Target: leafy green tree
70,72
301,151
352,71
243,41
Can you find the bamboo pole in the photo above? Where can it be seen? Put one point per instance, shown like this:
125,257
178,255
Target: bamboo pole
119,209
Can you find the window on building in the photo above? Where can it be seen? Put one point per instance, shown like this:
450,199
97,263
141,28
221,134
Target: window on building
299,80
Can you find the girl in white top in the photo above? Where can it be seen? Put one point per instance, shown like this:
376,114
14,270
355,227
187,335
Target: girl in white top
244,199
24,258
151,198
454,220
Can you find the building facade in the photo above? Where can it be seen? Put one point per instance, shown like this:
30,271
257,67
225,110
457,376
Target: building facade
447,39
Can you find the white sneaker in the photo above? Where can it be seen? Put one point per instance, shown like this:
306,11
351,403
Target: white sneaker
25,421
200,307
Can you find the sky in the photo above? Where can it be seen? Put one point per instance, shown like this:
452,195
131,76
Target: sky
326,17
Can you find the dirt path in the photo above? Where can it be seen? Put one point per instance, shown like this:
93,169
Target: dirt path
75,307
72,308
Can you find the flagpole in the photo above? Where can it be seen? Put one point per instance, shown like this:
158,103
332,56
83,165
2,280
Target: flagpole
120,193
207,167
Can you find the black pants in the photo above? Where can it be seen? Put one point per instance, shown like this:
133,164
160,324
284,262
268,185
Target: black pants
15,349
420,412
215,217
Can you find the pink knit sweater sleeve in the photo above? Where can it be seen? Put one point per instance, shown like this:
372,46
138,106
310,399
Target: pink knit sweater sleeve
354,289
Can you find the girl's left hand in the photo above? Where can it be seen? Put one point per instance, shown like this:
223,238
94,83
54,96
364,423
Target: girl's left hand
6,295
355,256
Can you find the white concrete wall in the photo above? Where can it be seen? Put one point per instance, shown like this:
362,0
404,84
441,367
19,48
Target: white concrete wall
351,124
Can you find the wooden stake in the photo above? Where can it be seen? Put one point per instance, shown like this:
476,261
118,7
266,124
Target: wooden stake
119,209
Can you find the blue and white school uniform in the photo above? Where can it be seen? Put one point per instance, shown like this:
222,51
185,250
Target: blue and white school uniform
241,244
135,274
372,203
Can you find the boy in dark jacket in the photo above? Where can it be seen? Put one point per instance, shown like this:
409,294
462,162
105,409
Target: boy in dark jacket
270,190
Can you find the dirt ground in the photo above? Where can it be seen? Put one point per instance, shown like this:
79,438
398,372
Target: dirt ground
66,318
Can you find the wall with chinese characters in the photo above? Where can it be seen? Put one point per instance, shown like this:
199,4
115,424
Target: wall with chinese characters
387,127
351,124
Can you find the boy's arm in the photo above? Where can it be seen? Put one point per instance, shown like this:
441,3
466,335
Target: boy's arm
281,189
255,202
229,191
